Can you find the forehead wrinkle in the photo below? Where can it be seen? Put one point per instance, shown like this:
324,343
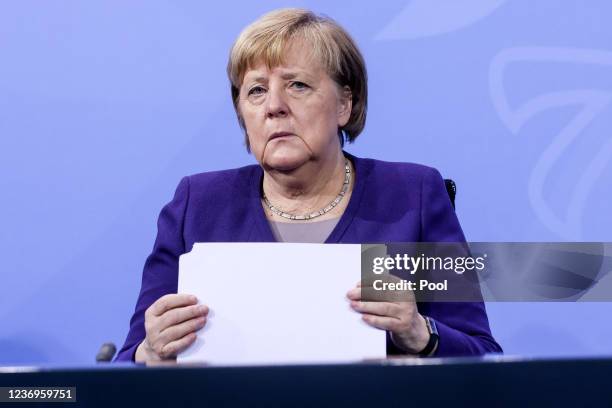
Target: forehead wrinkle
286,74
276,54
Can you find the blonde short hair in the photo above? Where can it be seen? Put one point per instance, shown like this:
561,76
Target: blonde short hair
268,38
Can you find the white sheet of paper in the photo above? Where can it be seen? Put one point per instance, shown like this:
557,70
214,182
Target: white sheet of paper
277,303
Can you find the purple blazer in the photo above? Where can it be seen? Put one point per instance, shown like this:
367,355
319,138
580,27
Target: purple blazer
391,202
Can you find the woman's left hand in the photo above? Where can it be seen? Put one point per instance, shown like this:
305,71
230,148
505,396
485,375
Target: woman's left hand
402,319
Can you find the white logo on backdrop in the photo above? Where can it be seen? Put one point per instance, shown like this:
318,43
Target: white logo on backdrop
592,103
424,18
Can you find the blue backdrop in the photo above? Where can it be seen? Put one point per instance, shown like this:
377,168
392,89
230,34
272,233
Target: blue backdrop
105,105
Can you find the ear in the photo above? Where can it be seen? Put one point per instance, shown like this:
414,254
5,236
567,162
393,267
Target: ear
345,105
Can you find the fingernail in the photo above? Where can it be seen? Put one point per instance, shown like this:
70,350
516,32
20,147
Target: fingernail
202,309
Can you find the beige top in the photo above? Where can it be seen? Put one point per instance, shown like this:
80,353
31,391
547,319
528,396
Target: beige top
311,231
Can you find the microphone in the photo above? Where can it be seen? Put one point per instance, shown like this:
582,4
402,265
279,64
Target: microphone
106,353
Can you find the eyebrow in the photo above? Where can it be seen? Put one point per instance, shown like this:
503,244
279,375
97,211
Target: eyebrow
287,75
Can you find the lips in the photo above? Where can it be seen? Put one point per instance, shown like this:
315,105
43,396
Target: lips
276,135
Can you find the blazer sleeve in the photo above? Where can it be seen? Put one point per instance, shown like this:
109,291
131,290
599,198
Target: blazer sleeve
463,326
160,273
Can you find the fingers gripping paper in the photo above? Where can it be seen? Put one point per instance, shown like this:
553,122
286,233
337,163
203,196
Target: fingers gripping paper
277,303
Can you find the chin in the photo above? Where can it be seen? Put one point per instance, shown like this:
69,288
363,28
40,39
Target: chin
285,159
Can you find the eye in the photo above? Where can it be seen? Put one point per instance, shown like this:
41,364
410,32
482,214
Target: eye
299,85
256,90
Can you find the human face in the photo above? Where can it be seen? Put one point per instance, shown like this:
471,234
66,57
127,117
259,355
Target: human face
292,112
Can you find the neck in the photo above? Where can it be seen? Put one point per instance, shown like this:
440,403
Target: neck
308,188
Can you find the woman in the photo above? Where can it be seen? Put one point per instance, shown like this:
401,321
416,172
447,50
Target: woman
299,88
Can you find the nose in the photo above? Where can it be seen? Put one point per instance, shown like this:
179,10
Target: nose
276,104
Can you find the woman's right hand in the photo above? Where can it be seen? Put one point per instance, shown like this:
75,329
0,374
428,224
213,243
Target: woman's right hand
171,323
